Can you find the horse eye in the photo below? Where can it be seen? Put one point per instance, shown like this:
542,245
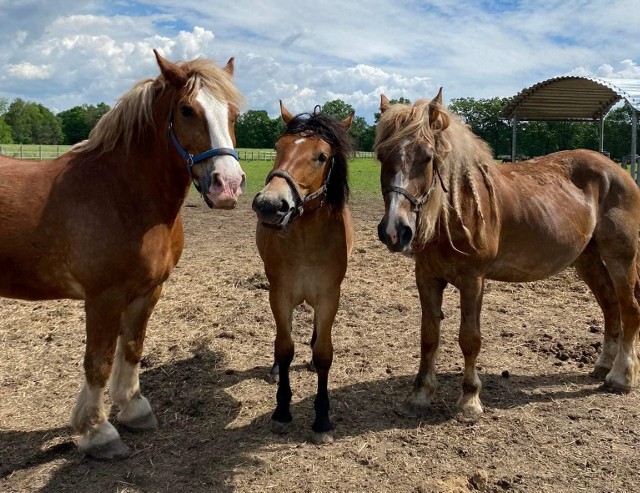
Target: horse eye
186,110
322,157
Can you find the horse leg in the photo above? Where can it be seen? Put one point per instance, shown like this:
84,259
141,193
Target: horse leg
470,305
272,377
421,397
593,272
282,308
311,365
124,386
325,314
622,270
99,438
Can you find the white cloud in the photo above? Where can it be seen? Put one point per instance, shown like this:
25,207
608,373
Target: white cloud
72,52
28,71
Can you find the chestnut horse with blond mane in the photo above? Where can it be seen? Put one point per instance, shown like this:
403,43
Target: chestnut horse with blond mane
467,219
102,223
304,236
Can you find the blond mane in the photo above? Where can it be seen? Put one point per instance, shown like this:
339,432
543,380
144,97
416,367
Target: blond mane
132,115
460,157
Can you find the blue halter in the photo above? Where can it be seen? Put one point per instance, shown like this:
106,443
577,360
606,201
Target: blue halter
202,184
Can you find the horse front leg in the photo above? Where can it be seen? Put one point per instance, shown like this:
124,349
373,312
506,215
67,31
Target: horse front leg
471,291
99,438
421,397
124,386
322,349
282,308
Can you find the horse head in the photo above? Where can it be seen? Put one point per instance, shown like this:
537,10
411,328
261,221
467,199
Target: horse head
407,148
201,117
310,166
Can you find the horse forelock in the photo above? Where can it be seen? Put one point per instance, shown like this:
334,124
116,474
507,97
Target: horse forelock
132,116
457,152
333,133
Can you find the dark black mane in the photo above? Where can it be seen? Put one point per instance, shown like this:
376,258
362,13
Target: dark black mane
328,129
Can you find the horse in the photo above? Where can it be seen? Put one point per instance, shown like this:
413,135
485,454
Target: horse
102,223
304,236
467,219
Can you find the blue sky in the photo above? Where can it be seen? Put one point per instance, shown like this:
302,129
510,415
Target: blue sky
73,52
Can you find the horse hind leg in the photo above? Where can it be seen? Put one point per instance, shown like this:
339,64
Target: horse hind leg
593,272
99,438
618,252
124,386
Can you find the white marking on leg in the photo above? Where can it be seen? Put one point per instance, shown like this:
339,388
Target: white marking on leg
124,383
609,352
135,408
623,373
88,413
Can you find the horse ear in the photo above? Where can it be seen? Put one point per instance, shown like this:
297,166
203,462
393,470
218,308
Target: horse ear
346,123
229,67
384,103
438,119
286,115
173,73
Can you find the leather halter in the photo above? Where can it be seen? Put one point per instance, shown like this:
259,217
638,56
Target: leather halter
299,201
201,185
418,202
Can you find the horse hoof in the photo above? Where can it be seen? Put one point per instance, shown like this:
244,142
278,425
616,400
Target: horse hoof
469,408
412,409
611,384
321,438
141,424
113,450
280,428
272,378
600,372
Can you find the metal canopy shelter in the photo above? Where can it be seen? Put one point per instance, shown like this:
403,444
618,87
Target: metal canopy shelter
575,98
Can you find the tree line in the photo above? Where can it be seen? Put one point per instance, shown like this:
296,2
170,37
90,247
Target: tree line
26,122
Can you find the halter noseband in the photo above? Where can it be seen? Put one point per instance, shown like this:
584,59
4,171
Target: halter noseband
299,201
418,202
202,185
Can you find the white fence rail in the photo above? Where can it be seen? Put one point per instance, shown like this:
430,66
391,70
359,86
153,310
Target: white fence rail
51,152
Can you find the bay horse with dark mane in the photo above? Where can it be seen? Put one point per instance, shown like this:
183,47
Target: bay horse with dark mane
304,236
102,223
467,219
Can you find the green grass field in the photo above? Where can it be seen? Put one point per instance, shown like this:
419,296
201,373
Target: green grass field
364,176
364,173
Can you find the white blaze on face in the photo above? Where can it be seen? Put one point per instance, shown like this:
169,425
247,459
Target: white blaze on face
228,168
395,214
299,141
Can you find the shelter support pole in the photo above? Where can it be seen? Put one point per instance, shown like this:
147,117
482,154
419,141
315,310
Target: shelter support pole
601,134
634,143
514,126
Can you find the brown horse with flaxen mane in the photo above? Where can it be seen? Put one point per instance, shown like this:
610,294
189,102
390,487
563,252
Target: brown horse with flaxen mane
102,223
467,219
304,236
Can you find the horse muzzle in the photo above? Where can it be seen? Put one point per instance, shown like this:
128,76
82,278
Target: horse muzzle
272,209
396,236
221,186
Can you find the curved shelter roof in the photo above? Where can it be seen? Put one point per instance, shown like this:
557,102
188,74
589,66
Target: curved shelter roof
572,98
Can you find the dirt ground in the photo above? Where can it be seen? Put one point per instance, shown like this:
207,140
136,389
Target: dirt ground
546,427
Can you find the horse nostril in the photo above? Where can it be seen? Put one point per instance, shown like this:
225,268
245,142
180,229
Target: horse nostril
284,206
381,232
406,234
217,180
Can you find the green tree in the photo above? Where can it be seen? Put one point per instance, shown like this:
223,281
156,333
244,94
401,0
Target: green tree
5,130
32,123
483,116
255,130
337,108
77,122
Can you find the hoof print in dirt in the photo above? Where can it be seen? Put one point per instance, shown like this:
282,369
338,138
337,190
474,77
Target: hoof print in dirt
412,410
